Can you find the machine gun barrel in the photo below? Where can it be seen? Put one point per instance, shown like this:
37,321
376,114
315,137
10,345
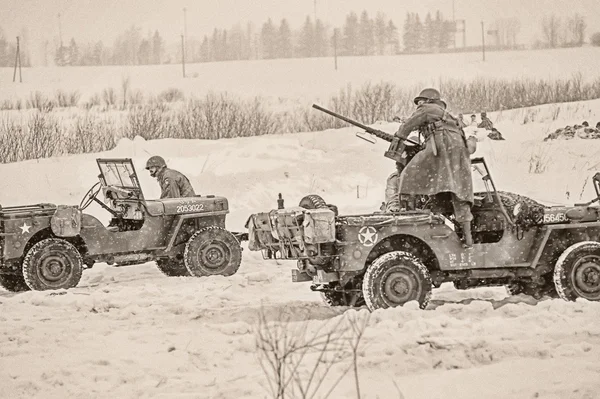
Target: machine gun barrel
377,133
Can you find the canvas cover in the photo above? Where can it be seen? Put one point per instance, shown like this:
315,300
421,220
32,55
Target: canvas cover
319,226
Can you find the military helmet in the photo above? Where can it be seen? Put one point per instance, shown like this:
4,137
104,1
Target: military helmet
428,94
484,114
156,161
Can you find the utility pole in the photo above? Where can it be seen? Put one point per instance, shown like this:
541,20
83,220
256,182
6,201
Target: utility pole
183,56
454,24
59,31
335,46
315,10
18,60
482,41
185,28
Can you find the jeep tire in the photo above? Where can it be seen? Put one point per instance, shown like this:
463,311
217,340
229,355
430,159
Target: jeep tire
394,279
212,251
13,282
577,272
312,201
52,264
172,267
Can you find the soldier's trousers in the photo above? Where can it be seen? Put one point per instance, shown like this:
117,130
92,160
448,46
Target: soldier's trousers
462,210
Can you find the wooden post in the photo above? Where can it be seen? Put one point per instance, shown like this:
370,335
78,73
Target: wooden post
18,61
482,41
183,55
335,46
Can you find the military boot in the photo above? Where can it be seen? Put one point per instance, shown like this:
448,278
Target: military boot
467,238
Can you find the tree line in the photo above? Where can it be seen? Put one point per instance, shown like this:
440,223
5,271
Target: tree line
360,35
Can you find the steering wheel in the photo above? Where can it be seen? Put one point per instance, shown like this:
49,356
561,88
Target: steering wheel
90,196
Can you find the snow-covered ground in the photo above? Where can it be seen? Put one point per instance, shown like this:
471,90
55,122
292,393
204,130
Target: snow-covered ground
132,332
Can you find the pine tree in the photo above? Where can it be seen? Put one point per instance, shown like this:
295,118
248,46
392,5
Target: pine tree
380,33
284,40
306,45
430,39
157,48
419,32
320,39
408,37
366,39
391,37
350,35
268,40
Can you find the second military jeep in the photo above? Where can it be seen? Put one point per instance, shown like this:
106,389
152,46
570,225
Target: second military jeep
387,259
47,246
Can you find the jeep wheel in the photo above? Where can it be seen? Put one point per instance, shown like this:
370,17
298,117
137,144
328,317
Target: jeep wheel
52,264
13,282
212,251
577,272
394,279
172,267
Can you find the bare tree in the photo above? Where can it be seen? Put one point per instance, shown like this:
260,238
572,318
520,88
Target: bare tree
576,28
550,28
508,29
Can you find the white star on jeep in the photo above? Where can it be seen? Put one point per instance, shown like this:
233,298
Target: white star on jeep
367,235
25,228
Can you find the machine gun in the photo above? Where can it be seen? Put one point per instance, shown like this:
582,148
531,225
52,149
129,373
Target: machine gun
397,144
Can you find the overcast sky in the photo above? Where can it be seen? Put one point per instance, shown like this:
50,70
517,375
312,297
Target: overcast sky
88,20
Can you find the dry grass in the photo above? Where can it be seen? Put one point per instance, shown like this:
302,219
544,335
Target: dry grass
300,362
218,115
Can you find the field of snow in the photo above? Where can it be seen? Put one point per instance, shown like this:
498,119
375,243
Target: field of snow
132,332
313,79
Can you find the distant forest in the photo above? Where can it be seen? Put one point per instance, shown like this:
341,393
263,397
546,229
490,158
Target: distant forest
359,36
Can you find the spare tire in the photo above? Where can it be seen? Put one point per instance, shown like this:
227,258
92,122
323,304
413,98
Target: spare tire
313,201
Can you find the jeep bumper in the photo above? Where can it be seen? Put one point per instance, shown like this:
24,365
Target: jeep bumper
322,277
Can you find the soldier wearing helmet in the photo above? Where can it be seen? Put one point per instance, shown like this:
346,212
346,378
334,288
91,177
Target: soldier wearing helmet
486,123
173,184
443,168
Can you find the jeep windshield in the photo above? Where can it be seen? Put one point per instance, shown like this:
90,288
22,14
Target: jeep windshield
119,173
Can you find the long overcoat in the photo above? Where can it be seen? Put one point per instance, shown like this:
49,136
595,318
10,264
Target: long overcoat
449,170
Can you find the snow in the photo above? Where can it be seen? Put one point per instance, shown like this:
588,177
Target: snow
132,332
303,80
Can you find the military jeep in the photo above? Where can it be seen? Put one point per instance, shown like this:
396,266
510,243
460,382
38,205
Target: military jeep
388,259
47,246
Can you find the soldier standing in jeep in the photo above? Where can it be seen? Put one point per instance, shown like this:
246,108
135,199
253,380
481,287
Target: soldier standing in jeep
173,184
444,165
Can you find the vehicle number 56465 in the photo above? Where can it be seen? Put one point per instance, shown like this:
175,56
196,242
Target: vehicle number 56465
190,208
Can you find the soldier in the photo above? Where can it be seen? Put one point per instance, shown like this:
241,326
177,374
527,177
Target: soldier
485,122
473,120
173,184
444,165
461,121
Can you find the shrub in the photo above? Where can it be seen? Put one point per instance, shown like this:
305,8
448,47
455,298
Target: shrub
170,95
